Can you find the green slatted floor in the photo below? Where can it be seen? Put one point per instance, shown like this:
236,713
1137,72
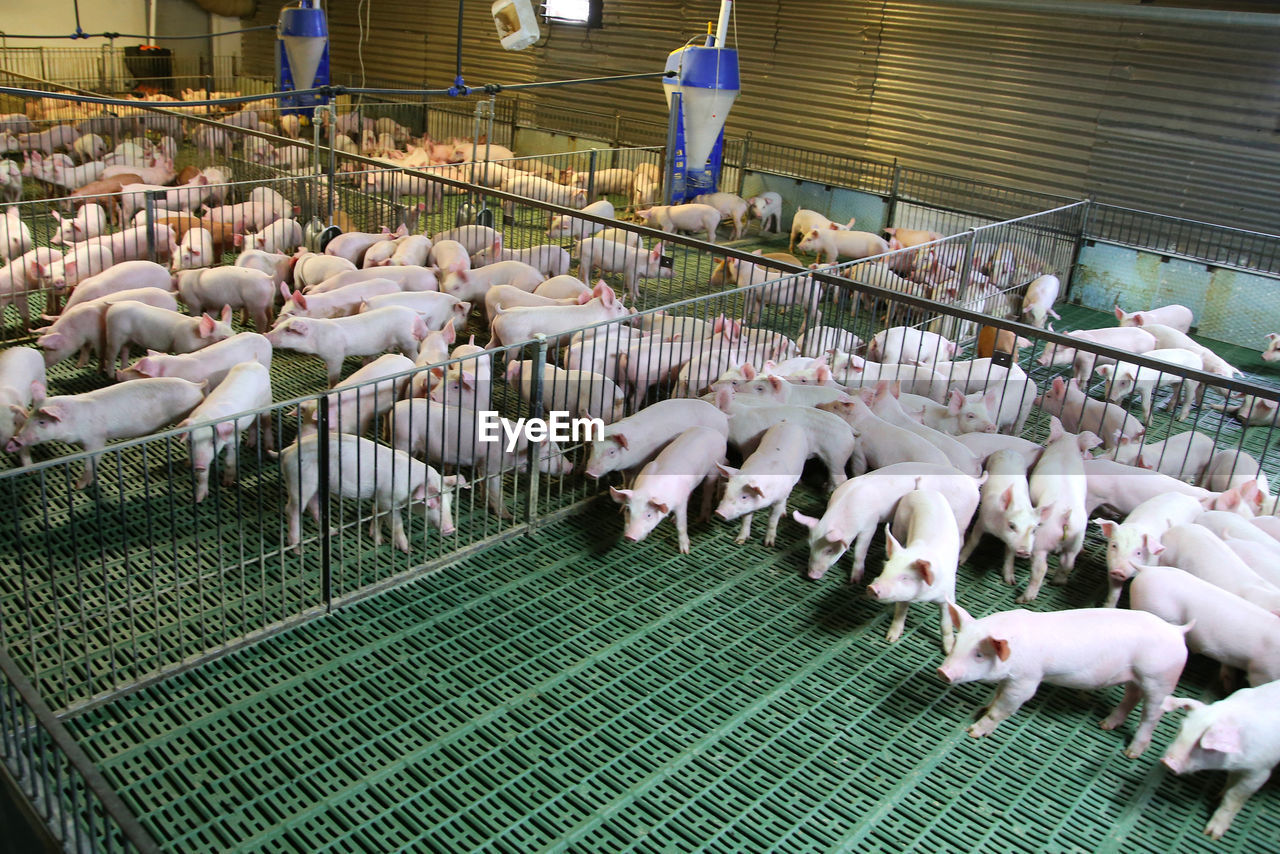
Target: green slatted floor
572,691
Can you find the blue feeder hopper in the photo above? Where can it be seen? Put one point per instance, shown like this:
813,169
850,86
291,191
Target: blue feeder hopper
302,55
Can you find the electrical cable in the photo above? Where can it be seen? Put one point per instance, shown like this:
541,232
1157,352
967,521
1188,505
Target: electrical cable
75,36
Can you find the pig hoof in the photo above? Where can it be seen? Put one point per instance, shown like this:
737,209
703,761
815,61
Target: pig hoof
1059,580
741,540
1110,724
892,635
1133,752
1024,598
768,541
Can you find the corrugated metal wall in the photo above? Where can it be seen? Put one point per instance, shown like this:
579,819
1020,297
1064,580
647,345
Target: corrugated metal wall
1172,110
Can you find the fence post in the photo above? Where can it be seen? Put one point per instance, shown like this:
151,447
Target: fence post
591,173
333,158
1079,247
962,289
893,194
535,411
617,128
150,201
742,162
322,495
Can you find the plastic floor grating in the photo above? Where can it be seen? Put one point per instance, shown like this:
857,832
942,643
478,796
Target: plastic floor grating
572,691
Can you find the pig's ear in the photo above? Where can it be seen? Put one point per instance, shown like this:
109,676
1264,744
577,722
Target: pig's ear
622,440
1107,526
955,402
226,314
438,373
1045,512
807,521
1055,429
1185,703
1001,647
18,412
284,291
456,481
890,544
748,372
299,327
823,375
620,496
223,429
1105,370
299,299
206,325
1223,735
661,507
1119,313
989,399
53,413
959,616
1088,440
755,489
776,383
450,334
1153,547
724,398
814,233
1006,497
925,569
726,471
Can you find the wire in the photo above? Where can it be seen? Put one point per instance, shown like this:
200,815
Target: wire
75,36
362,23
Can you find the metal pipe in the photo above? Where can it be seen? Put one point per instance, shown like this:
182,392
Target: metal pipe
1069,10
722,28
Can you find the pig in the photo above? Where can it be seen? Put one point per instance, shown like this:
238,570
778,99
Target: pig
468,383
581,229
342,302
765,479
605,181
664,485
542,190
1129,379
1005,511
644,191
369,334
506,297
767,207
1177,317
1224,627
1131,339
1184,455
1271,352
819,340
921,568
880,443
730,206
1121,488
228,287
194,250
360,468
473,238
1136,540
354,244
632,442
22,383
1169,338
832,244
1269,525
471,285
361,398
208,365
411,250
801,291
1109,422
1239,735
562,287
962,414
247,386
886,406
89,221
310,269
1251,411
1037,302
449,257
1059,489
905,344
1232,527
860,505
774,389
548,259
26,273
1081,648
581,393
803,221
129,323
632,262
410,279
687,218
1194,549
131,243
855,373
436,309
80,329
646,362
283,236
1232,467
522,324
122,411
82,261
908,237
983,445
448,435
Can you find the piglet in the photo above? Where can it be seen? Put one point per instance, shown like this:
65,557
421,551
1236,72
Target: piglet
1239,735
122,411
522,324
580,229
89,221
906,344
634,441
1272,351
1136,540
633,262
362,397
22,382
664,485
209,364
1088,648
690,218
581,393
369,334
922,567
1058,490
435,308
247,386
1195,550
839,243
194,250
80,328
767,207
1175,316
765,479
129,323
15,237
1037,302
220,288
1006,510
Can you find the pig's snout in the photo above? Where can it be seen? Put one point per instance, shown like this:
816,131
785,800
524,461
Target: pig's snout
1173,763
1120,574
873,592
816,573
720,511
13,445
945,675
990,428
448,530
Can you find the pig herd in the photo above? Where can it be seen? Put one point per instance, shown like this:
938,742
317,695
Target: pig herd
915,442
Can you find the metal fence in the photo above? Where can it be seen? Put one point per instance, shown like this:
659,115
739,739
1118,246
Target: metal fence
1219,245
108,71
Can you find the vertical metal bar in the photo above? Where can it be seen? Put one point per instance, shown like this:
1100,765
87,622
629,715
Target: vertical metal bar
149,199
1079,247
322,493
333,158
743,159
669,170
894,188
535,411
591,173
